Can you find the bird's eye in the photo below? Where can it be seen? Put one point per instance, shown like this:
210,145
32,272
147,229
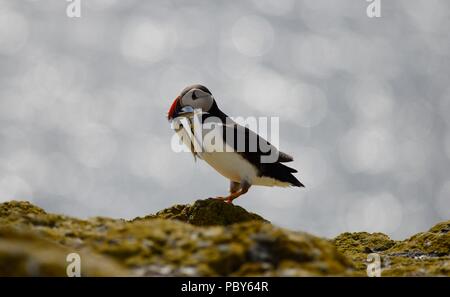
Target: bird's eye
194,96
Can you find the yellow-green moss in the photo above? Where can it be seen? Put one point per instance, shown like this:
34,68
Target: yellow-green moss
209,238
433,243
424,254
156,246
207,212
22,253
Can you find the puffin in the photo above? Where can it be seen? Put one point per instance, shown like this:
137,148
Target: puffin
241,163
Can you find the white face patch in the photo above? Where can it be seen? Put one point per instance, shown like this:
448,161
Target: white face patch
198,99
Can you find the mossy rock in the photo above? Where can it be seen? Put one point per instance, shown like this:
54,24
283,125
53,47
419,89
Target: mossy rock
433,243
358,245
158,246
207,212
22,253
209,238
424,254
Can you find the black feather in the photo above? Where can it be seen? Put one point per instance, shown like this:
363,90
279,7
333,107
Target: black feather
275,170
280,172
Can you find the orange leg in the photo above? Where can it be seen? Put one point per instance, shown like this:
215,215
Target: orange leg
236,193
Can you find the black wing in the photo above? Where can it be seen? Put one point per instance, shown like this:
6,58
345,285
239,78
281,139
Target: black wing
252,147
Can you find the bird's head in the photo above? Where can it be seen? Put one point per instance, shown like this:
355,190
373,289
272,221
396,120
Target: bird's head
191,98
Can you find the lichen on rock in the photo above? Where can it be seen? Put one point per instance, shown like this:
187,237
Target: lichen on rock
24,253
424,254
238,243
208,212
207,238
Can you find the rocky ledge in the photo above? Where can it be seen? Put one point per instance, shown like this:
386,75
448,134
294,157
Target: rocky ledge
207,238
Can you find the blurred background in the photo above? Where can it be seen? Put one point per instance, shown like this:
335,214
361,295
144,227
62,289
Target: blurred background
364,106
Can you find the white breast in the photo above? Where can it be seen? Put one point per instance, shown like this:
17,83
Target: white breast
234,167
231,164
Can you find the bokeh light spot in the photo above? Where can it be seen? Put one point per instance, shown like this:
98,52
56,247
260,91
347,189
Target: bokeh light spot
13,31
252,36
374,213
147,41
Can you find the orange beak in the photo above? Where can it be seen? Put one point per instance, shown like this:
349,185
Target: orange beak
173,108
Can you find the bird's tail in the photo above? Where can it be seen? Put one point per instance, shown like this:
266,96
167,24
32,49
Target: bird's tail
282,173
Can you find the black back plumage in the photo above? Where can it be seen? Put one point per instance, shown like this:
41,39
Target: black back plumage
275,170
